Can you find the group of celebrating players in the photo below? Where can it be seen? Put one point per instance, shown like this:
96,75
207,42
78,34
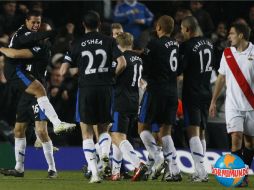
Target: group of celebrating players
111,75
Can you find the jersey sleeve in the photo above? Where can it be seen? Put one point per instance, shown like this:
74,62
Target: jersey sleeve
147,58
116,51
31,37
222,69
72,56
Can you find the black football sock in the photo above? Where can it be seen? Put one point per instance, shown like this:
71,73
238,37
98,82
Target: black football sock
238,153
248,156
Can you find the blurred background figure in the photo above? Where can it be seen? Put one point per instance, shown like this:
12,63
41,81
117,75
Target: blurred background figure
204,19
135,17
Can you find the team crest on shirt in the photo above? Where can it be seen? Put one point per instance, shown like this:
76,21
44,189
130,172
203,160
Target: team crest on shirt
36,49
250,57
27,33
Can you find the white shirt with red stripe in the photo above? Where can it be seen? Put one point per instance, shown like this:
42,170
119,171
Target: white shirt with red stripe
235,99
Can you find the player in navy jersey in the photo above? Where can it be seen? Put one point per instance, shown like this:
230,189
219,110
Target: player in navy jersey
17,76
126,103
28,109
93,54
197,58
159,102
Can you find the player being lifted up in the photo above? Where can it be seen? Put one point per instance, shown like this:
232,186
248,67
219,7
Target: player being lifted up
26,37
125,108
159,104
28,109
197,59
94,53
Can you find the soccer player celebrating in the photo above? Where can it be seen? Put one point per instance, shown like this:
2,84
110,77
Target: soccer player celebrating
237,71
94,53
28,108
26,37
159,104
197,57
126,103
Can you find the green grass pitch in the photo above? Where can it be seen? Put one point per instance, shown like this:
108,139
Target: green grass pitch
74,180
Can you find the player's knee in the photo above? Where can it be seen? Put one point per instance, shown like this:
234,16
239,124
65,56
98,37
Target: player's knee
19,132
37,89
42,133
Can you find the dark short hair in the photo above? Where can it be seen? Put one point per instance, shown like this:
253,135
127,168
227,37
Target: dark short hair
33,13
242,28
91,19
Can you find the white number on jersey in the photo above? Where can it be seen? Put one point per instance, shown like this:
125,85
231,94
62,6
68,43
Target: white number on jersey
208,67
173,60
135,75
36,108
102,68
29,67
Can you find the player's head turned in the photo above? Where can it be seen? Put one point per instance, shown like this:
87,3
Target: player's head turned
33,20
165,25
116,29
125,40
190,27
238,32
91,20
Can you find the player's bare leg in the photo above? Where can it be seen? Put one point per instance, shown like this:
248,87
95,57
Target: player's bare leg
42,131
37,89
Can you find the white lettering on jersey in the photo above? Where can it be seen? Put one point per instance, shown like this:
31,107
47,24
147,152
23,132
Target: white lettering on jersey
91,42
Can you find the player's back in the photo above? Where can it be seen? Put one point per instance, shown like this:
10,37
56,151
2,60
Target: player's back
126,87
197,67
161,63
93,54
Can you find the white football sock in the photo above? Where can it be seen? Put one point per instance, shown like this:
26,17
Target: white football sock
48,110
89,151
48,152
116,160
203,142
174,166
20,149
168,148
105,144
197,154
150,144
129,153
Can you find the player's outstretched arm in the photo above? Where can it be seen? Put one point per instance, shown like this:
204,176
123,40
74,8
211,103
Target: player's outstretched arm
16,53
217,90
121,65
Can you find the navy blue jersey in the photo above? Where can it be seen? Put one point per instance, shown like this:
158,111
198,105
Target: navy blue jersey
93,54
161,64
126,94
197,60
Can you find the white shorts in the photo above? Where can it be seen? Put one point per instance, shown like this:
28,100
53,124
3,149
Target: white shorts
240,121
